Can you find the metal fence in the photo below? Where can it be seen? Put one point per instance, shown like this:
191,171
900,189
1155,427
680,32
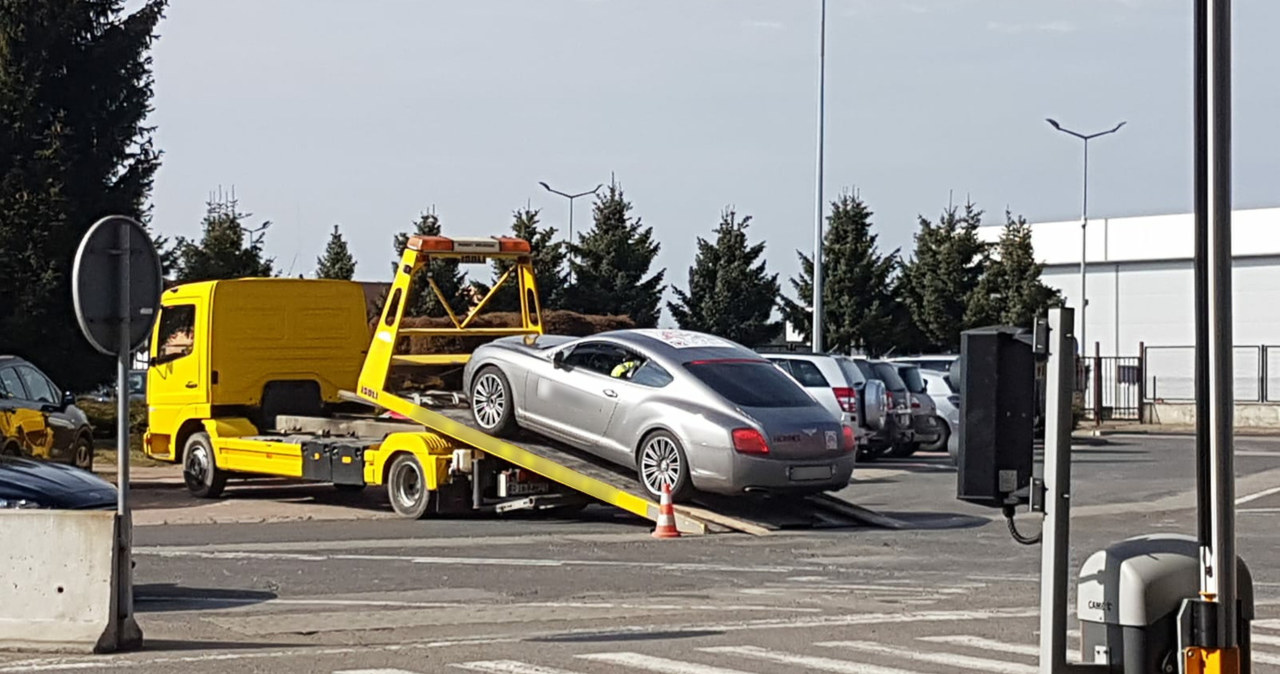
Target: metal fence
1111,387
1170,373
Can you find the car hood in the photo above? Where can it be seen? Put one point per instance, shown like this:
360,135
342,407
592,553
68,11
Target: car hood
53,485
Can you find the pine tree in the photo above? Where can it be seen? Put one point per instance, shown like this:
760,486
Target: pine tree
226,250
75,90
610,264
857,296
1011,292
447,274
943,273
730,292
337,262
548,266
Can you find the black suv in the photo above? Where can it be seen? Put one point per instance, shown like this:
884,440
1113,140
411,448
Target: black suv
38,420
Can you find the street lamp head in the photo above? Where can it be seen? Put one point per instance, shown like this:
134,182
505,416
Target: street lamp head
545,186
1054,123
597,189
1118,127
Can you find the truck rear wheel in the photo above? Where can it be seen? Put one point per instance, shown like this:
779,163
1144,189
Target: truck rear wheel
407,487
199,469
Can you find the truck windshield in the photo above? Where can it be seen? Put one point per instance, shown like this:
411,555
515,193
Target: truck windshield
911,376
750,383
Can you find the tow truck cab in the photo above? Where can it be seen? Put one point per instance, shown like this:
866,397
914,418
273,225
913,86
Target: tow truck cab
253,349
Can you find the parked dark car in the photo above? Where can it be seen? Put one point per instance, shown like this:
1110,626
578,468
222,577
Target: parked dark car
25,483
39,420
899,433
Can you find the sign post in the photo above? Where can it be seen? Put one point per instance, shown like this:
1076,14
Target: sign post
116,283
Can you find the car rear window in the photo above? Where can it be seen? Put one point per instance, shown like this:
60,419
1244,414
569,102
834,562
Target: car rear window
889,375
852,372
805,372
911,376
750,383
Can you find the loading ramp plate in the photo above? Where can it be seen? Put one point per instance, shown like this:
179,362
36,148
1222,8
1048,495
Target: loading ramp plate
747,513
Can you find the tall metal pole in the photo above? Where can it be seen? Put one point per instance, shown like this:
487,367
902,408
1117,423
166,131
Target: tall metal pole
1219,564
1084,255
818,310
570,197
1084,223
124,522
1055,547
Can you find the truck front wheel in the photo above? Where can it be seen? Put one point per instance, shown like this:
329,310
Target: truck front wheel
407,487
199,469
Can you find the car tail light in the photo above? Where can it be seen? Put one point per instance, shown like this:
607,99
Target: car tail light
749,441
847,398
915,403
850,443
888,397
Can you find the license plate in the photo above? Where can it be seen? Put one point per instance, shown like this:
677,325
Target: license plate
802,473
525,488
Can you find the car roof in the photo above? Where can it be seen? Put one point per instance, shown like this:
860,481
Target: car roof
681,345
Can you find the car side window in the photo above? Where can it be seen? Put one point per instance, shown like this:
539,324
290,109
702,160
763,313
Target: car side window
11,384
600,358
38,388
651,374
177,332
808,374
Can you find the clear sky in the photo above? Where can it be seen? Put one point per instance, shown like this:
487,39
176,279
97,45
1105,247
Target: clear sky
363,114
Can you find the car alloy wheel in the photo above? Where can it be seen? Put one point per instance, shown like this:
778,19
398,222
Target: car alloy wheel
489,400
84,454
660,464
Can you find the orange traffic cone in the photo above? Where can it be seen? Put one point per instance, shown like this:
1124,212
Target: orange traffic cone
666,516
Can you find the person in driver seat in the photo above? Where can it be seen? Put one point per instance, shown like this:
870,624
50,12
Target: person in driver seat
626,368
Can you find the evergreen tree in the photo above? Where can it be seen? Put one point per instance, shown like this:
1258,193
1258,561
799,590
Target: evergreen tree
1011,292
447,274
944,272
730,292
548,266
337,262
226,250
610,264
857,296
75,89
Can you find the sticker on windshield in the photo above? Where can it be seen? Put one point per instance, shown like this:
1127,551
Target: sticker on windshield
684,339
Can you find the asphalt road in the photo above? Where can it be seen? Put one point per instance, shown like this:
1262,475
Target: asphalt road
597,594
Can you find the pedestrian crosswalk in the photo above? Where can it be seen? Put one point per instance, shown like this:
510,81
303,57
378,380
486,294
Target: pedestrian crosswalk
921,655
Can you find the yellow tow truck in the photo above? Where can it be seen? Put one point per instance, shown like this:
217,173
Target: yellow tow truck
284,377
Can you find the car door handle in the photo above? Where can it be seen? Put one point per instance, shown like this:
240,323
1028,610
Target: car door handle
611,393
192,384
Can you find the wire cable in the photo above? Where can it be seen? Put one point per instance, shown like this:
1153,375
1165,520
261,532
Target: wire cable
1013,529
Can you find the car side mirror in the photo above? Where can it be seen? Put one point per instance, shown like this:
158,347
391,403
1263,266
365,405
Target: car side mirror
68,399
557,360
925,384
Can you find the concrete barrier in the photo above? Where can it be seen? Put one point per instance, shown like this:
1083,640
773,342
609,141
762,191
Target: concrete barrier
58,578
1247,415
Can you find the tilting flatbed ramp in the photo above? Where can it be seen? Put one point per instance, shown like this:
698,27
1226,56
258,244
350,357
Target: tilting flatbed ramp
613,485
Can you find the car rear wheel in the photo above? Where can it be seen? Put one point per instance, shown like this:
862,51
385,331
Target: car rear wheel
407,488
944,435
492,406
903,450
83,455
661,460
199,469
11,448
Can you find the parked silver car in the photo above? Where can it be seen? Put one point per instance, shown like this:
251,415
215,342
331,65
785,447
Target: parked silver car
947,399
683,408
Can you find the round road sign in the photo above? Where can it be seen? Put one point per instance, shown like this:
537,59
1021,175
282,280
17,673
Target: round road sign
116,283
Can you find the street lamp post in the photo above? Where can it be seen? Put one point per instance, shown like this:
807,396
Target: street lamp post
1084,222
571,197
817,225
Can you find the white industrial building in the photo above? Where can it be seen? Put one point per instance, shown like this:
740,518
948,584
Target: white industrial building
1139,277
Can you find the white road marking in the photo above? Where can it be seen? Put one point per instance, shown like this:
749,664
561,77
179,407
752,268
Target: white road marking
470,561
1264,640
845,620
948,659
1266,624
984,644
650,663
1257,495
374,671
1266,659
366,603
806,661
507,667
1256,511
